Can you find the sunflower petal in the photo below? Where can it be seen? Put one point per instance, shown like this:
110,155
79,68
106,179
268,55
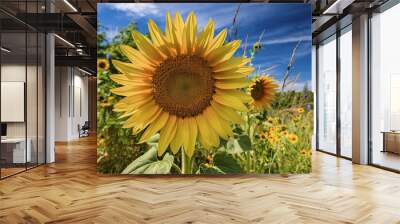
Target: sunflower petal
231,63
223,53
215,43
230,101
191,142
235,73
179,27
232,83
167,134
154,127
146,47
244,97
125,80
214,121
177,142
227,113
130,90
129,68
204,37
207,132
190,32
137,58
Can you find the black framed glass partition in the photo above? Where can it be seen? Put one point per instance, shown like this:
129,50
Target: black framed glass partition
345,91
326,103
334,94
22,77
385,88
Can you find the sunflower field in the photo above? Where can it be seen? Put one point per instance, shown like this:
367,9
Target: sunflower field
181,101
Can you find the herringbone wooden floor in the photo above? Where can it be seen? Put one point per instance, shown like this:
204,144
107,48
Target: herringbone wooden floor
70,191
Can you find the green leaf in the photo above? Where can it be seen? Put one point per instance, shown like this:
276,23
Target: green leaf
148,163
226,163
204,169
244,142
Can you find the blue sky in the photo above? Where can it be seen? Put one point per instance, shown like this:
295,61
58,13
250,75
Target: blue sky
284,25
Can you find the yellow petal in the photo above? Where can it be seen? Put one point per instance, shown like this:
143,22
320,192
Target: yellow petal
230,101
130,90
244,97
169,29
178,34
167,134
177,142
227,113
232,83
214,121
190,32
138,58
189,144
132,69
223,53
231,64
125,80
235,73
217,42
206,132
205,37
146,47
130,105
192,136
143,115
154,127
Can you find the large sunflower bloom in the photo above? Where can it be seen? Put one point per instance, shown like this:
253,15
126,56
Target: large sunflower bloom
182,83
263,92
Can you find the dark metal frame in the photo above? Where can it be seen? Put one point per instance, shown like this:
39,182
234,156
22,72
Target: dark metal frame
338,152
389,4
44,79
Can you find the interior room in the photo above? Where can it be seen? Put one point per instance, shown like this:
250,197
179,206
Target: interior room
52,112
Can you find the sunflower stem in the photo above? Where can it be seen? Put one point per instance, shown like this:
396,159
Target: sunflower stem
186,164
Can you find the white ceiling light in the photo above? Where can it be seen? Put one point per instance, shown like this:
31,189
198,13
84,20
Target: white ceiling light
86,72
64,40
338,6
70,5
5,50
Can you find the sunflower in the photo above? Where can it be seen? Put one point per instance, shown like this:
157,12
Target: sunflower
293,138
306,153
256,46
102,64
263,92
285,133
300,110
182,83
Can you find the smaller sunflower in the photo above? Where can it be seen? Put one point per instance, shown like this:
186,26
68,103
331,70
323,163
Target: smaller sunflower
263,92
256,46
285,133
102,64
306,153
300,110
293,138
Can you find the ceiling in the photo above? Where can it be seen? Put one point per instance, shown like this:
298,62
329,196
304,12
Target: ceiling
75,21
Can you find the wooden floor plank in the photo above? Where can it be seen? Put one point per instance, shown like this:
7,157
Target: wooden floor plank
70,191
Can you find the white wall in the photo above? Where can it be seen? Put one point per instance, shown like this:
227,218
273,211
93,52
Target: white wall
71,102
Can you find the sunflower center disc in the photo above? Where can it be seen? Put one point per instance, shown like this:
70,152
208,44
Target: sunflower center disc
183,85
257,91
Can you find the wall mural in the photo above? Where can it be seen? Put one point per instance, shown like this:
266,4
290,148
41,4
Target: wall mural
216,88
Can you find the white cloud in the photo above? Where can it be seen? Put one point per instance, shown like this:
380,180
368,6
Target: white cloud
297,86
286,40
137,9
111,33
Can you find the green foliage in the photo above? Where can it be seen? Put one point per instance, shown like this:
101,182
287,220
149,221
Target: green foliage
148,163
116,146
